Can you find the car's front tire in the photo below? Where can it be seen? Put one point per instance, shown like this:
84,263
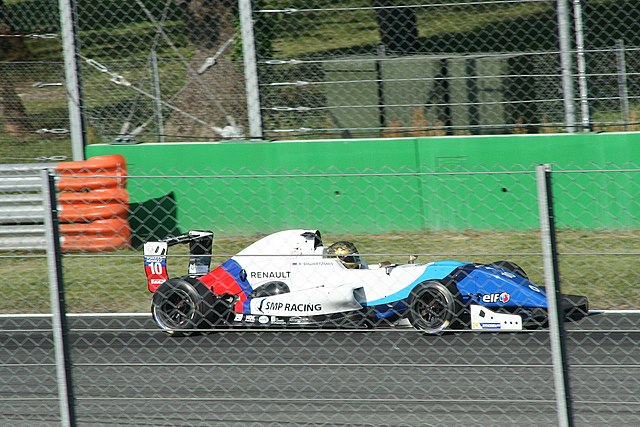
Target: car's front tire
182,305
432,307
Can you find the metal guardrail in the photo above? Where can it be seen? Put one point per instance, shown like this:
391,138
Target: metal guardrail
21,206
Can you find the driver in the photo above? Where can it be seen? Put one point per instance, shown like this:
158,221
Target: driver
346,252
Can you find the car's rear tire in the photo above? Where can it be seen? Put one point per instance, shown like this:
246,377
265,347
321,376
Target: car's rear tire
512,267
432,307
180,306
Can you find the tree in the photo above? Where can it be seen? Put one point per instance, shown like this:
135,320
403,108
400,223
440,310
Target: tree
398,26
211,24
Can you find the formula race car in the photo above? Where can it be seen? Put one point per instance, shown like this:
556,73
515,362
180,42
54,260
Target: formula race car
290,278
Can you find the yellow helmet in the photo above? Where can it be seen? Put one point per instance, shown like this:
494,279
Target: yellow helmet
346,252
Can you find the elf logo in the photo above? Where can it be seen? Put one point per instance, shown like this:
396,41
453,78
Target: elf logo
502,298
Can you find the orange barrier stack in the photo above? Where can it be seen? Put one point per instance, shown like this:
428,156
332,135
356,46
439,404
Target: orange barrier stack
93,204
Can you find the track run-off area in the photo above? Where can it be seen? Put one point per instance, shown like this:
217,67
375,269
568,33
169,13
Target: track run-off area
127,372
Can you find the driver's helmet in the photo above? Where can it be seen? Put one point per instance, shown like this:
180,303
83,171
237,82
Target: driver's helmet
346,252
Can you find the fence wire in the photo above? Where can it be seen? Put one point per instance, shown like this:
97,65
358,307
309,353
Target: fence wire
173,70
127,371
399,68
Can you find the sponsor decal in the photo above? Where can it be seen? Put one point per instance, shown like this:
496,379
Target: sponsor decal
493,325
243,275
249,318
155,265
269,274
277,320
155,268
313,263
496,297
535,288
287,306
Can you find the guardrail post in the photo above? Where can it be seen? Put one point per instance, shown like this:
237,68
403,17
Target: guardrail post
56,293
252,85
552,284
73,82
566,65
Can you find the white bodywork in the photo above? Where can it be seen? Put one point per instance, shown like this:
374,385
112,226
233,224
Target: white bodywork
483,319
318,284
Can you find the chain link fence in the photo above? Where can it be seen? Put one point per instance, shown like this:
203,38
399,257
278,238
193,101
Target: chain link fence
585,260
33,101
410,68
126,371
175,70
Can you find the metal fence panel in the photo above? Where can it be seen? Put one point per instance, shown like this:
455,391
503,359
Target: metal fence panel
411,68
33,109
603,259
126,370
174,70
21,207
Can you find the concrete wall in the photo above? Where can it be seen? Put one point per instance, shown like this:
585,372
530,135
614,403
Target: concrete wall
241,202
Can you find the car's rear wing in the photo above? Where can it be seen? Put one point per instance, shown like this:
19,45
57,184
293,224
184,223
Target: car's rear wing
155,256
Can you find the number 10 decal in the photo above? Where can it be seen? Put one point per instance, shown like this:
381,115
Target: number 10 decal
156,267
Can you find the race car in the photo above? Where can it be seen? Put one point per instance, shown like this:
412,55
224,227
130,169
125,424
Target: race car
290,278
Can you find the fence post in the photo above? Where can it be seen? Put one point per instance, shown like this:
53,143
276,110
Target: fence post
157,95
554,308
250,69
73,83
623,89
56,294
582,66
564,41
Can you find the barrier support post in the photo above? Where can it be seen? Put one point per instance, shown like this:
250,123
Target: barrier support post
552,283
58,310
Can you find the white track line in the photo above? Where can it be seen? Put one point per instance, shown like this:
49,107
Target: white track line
45,315
35,315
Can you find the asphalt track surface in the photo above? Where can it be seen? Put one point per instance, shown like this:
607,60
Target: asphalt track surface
127,373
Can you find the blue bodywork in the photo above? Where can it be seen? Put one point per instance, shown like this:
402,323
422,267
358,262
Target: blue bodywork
492,286
487,285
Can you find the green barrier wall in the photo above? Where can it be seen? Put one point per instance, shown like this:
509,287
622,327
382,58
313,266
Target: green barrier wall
266,186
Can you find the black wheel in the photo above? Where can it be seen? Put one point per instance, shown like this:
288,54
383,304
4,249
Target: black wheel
181,305
432,307
512,267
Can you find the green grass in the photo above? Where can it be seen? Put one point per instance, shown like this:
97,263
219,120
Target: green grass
591,264
34,149
345,30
